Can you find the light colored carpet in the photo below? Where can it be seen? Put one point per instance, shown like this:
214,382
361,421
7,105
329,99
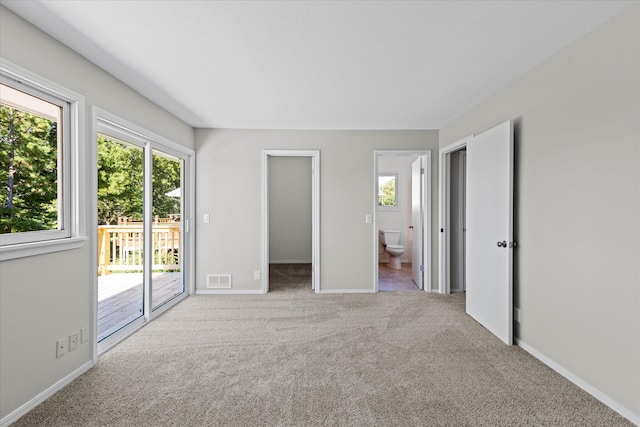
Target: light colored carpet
294,358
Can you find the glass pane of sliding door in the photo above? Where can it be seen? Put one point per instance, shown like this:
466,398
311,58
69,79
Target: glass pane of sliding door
120,234
166,280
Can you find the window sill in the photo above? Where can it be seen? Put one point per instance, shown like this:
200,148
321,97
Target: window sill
22,250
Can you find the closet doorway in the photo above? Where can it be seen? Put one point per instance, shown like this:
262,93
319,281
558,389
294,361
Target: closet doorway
290,216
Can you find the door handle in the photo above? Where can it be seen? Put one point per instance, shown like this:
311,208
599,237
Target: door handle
411,226
502,244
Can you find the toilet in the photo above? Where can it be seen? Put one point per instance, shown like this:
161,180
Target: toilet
390,239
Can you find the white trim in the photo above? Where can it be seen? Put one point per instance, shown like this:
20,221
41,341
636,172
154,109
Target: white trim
229,291
115,122
106,122
41,397
444,284
426,228
462,201
593,391
116,338
189,206
347,291
22,250
315,213
73,233
93,234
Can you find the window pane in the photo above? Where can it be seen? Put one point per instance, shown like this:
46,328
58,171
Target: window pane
387,190
167,281
29,163
120,234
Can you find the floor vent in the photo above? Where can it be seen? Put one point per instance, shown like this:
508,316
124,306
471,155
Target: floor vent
218,281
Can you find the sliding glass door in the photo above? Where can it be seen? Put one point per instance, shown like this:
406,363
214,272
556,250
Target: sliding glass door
167,279
141,237
120,234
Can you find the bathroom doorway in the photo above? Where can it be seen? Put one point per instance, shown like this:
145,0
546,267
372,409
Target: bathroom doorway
402,220
290,213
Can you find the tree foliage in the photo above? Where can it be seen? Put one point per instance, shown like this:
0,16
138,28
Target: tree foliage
29,175
121,182
166,178
388,196
28,171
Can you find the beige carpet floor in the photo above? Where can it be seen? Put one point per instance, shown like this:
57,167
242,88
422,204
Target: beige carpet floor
295,358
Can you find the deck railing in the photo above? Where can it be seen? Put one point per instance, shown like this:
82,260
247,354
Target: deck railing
120,247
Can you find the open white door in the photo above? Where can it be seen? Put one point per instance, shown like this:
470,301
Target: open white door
489,245
417,258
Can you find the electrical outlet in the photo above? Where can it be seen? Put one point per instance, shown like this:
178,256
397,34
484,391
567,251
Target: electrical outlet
256,275
73,341
84,335
206,218
367,219
61,347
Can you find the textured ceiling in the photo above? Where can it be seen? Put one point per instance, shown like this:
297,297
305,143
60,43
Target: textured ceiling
316,64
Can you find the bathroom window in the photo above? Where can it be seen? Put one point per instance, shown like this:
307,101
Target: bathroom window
387,190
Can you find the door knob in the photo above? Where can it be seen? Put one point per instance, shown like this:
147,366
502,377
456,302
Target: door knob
411,226
502,244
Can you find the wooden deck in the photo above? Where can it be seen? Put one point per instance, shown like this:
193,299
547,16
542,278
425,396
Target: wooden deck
120,298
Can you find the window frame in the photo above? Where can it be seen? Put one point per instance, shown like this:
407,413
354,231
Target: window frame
71,232
395,207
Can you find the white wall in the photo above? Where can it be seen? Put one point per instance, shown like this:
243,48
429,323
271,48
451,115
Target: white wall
44,298
398,219
230,243
577,204
290,205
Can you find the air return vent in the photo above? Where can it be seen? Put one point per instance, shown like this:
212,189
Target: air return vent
218,281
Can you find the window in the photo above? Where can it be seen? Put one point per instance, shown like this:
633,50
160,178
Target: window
387,191
39,128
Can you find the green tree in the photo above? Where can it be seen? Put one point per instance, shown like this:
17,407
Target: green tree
166,178
121,182
388,196
29,169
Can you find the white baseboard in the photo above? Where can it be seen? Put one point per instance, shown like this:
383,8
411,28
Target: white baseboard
229,291
31,404
347,291
611,403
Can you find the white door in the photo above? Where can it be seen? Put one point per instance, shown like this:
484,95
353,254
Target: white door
489,255
416,222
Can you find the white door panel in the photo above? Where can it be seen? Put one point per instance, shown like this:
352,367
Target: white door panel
489,204
416,222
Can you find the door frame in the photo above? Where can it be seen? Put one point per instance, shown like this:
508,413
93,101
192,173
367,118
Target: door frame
101,120
462,202
444,203
315,213
426,209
